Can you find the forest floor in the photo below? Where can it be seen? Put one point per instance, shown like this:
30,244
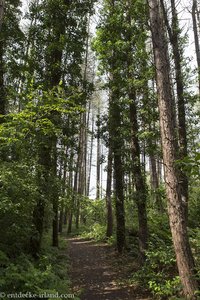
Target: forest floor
97,272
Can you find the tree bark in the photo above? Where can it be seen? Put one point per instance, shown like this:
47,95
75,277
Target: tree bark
90,158
98,156
117,147
2,87
109,230
155,183
81,171
138,179
174,34
61,217
184,258
196,38
43,177
2,3
137,169
74,196
55,197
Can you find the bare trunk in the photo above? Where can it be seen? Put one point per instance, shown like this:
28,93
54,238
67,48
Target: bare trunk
196,37
43,177
177,56
117,147
109,230
61,217
81,172
2,87
2,3
138,168
155,183
138,179
90,157
98,157
74,196
55,197
184,258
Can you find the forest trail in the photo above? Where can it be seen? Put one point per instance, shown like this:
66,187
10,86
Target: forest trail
94,273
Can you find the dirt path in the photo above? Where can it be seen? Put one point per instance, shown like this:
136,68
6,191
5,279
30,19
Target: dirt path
94,274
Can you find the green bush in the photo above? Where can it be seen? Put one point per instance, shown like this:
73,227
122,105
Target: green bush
96,232
158,273
18,193
47,275
94,211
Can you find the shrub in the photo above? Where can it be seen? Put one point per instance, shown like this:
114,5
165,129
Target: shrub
96,232
159,272
47,275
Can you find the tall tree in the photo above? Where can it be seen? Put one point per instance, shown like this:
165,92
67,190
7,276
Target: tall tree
2,3
11,40
115,117
109,230
196,37
117,146
138,178
98,170
61,26
184,258
174,36
106,46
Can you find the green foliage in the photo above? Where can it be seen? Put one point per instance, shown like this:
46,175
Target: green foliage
191,165
48,274
159,228
159,272
195,243
194,208
18,192
96,232
94,211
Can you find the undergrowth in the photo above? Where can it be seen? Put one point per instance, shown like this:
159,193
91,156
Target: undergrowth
45,277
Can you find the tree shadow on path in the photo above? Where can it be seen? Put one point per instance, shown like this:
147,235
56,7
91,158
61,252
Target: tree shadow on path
94,275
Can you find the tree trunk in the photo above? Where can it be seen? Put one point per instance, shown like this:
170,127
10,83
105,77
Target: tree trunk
74,195
98,156
2,3
138,179
155,183
196,38
2,87
43,177
136,166
81,172
117,147
184,258
61,217
90,157
177,56
109,230
54,196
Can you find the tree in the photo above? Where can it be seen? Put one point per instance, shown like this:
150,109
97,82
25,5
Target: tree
138,178
109,230
117,147
11,44
196,37
184,258
174,36
2,3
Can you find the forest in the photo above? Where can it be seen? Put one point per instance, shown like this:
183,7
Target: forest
99,149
